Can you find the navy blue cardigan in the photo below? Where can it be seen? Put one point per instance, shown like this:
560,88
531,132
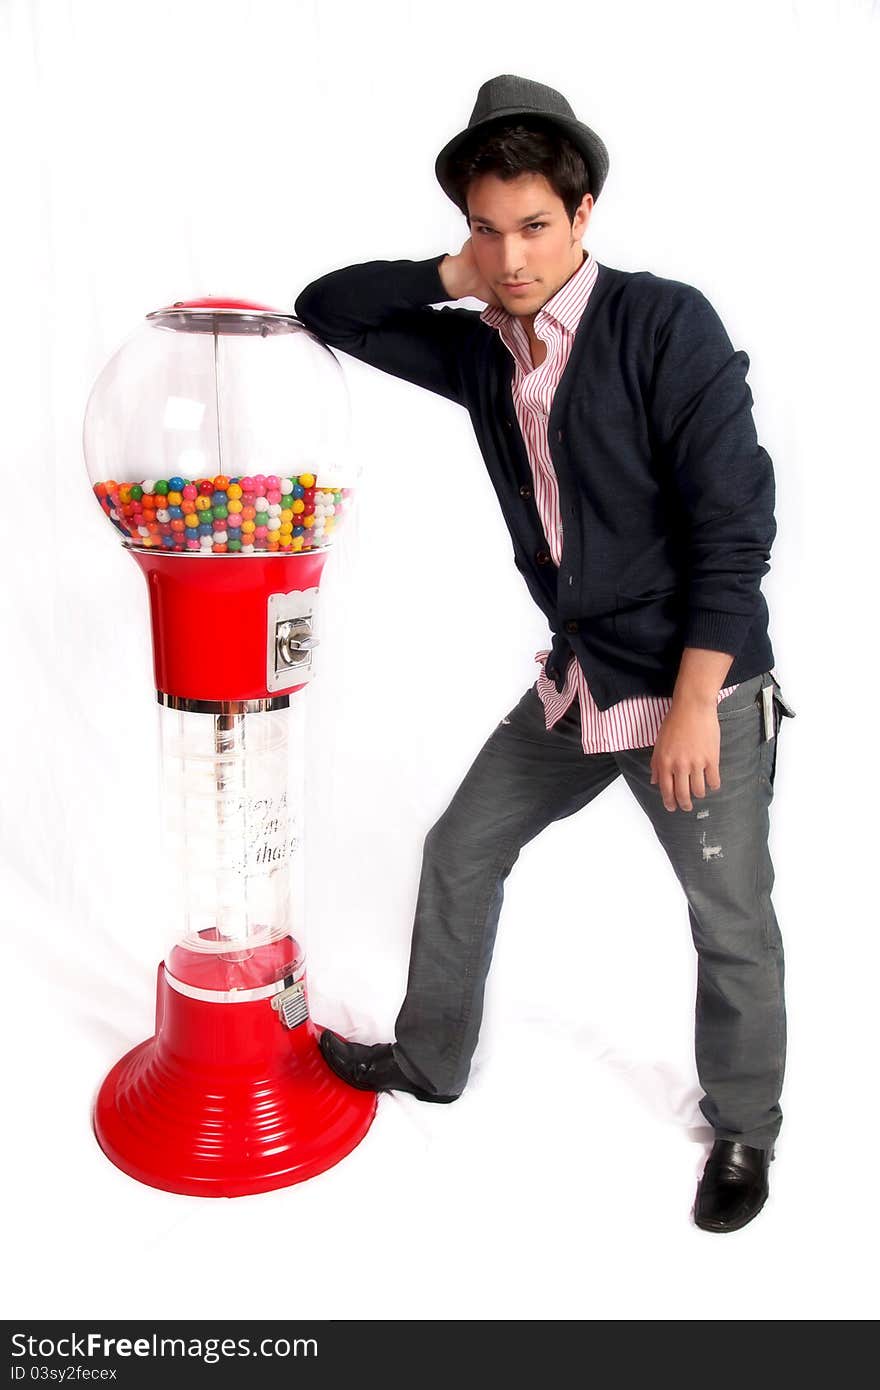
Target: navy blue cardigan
667,497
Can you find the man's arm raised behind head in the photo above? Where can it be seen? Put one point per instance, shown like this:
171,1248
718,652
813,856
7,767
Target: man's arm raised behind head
380,312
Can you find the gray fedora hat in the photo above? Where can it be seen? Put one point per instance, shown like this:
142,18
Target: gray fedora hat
507,96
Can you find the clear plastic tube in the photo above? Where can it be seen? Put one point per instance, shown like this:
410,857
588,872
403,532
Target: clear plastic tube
233,834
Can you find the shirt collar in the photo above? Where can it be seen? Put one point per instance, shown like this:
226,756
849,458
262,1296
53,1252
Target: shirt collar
565,306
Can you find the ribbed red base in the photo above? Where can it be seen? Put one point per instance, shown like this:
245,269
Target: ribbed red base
225,1101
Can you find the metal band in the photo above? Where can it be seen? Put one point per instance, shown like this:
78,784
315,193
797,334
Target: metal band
204,318
233,996
178,702
230,555
215,310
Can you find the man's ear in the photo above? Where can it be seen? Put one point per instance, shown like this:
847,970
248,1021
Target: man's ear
586,207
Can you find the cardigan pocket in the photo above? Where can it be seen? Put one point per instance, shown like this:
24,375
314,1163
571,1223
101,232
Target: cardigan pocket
649,624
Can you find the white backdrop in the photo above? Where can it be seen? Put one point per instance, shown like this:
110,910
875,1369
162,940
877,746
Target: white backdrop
155,151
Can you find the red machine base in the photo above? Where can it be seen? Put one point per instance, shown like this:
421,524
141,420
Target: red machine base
225,1101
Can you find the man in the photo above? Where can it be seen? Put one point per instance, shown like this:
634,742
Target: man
615,422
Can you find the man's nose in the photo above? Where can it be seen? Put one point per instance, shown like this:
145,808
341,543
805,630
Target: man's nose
513,259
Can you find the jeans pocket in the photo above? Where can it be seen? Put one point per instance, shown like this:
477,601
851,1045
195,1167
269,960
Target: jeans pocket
742,703
784,706
781,710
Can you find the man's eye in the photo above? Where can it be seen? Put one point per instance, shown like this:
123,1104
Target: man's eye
491,230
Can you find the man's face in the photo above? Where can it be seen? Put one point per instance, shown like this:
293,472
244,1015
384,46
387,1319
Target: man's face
521,235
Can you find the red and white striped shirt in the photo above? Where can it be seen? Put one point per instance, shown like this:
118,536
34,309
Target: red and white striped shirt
634,722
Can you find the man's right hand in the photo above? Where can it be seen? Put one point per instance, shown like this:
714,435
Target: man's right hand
461,278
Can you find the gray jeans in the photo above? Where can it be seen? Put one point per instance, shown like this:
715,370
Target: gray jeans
524,778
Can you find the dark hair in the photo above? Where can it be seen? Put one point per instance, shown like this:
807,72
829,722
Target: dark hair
526,145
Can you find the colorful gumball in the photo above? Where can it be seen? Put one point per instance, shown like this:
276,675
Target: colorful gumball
225,515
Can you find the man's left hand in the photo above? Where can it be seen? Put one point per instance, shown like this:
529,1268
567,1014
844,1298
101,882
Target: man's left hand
686,753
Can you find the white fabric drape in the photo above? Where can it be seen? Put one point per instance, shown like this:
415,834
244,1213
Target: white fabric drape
155,151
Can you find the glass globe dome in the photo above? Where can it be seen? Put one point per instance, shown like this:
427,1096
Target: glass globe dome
221,427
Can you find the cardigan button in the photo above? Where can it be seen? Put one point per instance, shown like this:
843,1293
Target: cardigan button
525,490
543,557
572,625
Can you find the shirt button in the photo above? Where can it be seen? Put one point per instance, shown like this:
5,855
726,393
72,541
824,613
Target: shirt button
572,625
543,557
525,490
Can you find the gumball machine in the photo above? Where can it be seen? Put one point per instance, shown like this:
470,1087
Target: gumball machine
215,440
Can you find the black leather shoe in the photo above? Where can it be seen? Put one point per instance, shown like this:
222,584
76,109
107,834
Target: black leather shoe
370,1068
734,1186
